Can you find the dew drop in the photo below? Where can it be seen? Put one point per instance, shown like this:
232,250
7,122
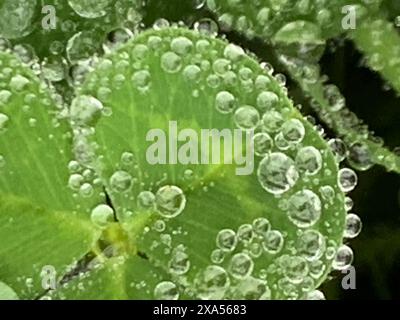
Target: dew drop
311,245
347,179
273,241
304,208
90,8
293,131
102,216
121,181
85,110
212,283
170,201
246,117
171,62
226,240
206,27
309,160
263,144
181,45
241,266
166,290
277,173
353,226
272,121
344,258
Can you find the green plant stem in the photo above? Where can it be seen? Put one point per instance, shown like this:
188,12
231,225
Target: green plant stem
379,40
343,122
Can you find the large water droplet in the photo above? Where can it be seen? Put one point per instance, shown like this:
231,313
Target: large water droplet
166,290
353,226
90,8
304,208
170,201
347,179
277,173
85,110
241,266
102,216
171,62
226,240
121,181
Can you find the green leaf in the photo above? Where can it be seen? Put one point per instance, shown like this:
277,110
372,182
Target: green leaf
174,214
42,222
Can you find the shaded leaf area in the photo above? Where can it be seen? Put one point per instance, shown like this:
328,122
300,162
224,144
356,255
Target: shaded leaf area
42,221
176,83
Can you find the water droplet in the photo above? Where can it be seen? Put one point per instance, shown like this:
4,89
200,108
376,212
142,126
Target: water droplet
181,45
333,96
116,38
54,70
142,79
296,269
353,226
4,119
247,117
263,144
192,73
171,62
309,160
102,216
7,293
311,245
121,181
348,203
217,256
212,283
86,190
315,295
5,96
170,201
206,27
16,18
161,24
18,83
261,226
90,8
179,263
347,179
338,148
166,290
241,266
233,52
226,240
360,157
245,233
343,259
277,173
304,208
267,100
293,131
273,241
225,102
128,158
272,121
81,45
85,110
